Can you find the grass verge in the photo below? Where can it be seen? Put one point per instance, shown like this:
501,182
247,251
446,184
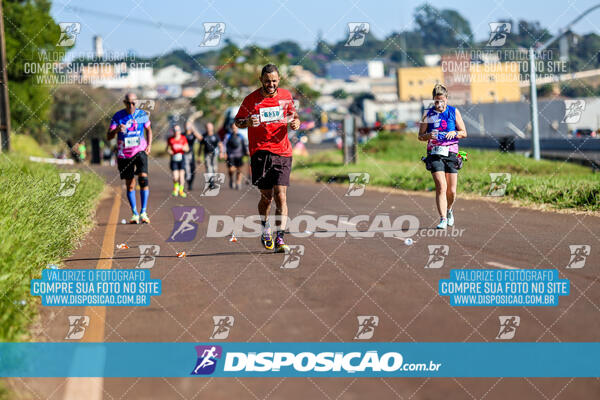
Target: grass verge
37,227
27,146
394,160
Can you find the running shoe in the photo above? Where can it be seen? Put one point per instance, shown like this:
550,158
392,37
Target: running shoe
450,218
280,246
144,218
175,193
182,194
443,223
267,239
135,219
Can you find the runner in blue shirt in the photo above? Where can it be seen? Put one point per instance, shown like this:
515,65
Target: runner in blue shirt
133,147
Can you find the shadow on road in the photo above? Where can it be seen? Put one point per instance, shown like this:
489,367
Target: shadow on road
225,253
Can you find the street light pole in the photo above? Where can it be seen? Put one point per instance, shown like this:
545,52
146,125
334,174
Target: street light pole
535,131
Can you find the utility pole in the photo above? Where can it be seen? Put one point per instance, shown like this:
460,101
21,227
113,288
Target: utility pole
535,130
4,107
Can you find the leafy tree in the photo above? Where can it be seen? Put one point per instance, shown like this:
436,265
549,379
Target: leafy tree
31,42
544,90
357,104
339,94
237,73
291,49
442,29
82,112
305,94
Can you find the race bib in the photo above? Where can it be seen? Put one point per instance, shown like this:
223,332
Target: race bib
270,114
440,150
177,157
132,141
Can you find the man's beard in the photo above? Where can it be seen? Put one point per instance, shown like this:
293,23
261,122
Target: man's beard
266,90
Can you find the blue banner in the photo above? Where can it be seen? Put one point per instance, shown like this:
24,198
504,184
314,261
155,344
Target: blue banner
375,359
511,287
96,287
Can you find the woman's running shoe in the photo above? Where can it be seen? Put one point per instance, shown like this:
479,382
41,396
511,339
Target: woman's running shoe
135,219
450,218
443,223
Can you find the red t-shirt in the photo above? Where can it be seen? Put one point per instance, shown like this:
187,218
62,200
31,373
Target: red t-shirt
272,134
177,145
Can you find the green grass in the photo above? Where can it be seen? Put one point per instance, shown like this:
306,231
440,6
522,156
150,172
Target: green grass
37,227
27,146
394,160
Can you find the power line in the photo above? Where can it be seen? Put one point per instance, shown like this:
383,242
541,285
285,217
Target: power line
160,25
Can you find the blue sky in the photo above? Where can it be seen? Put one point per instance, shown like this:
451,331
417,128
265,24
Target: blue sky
269,21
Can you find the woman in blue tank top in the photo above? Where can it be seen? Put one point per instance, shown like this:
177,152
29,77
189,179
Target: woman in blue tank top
442,126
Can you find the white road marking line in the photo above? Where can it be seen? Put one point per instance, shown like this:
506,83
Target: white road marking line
498,265
310,212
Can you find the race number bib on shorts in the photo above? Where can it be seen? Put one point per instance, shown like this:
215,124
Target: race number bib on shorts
270,114
177,157
132,141
440,150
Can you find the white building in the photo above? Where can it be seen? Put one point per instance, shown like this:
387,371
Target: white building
347,69
392,112
172,75
126,77
431,60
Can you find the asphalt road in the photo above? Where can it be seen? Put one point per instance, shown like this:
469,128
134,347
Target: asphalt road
337,279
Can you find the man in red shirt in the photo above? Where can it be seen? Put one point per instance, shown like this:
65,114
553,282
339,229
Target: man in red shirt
267,112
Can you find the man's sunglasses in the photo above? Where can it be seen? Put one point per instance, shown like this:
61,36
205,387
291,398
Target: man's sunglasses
132,103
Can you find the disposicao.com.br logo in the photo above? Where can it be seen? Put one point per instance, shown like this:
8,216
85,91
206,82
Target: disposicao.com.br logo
326,362
326,226
319,226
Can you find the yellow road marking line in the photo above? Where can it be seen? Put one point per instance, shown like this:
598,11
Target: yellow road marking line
91,388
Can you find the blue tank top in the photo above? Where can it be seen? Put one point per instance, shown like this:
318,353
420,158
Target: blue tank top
442,122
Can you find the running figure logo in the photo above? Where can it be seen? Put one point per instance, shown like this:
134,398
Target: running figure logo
77,325
212,183
366,326
358,183
186,223
68,33
212,34
579,253
148,254
508,327
357,32
573,111
145,104
292,257
207,359
500,181
68,183
437,255
223,324
499,31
